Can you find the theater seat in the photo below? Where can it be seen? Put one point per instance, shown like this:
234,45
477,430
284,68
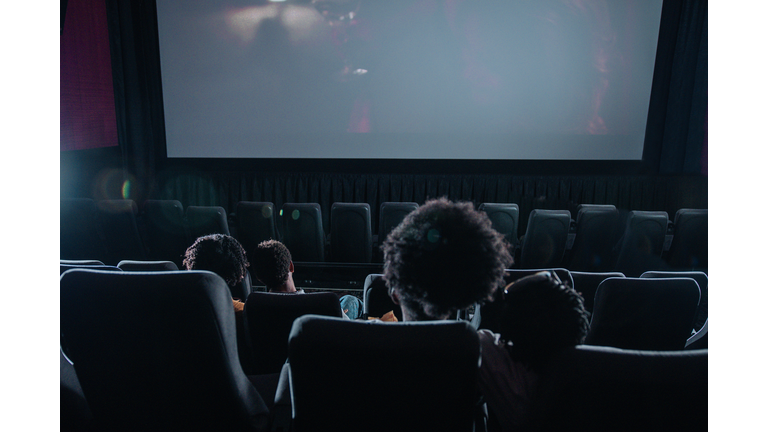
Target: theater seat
376,299
642,243
268,318
596,235
350,238
586,283
157,351
375,376
701,279
118,221
644,313
255,223
689,247
79,235
545,239
601,389
164,232
505,218
390,216
302,231
132,265
203,220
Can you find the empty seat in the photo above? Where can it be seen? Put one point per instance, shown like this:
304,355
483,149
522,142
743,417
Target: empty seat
118,222
545,239
255,223
268,318
505,218
601,389
132,265
203,220
407,376
701,279
376,299
157,351
689,247
79,235
596,235
164,232
391,214
644,313
350,237
642,243
586,283
302,231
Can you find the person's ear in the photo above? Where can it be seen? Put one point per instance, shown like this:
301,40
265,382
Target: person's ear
290,267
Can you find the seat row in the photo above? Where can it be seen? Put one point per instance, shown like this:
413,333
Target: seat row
600,238
142,365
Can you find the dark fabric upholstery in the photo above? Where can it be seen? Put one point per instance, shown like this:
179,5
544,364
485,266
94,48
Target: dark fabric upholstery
118,222
268,318
407,376
351,240
376,299
698,340
597,228
701,279
157,351
599,389
255,224
132,265
302,231
642,243
545,239
505,218
689,248
164,232
203,220
586,283
80,262
75,414
644,313
79,235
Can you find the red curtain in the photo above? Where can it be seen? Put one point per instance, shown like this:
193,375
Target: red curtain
87,97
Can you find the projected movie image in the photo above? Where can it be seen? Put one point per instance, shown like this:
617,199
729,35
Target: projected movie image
452,79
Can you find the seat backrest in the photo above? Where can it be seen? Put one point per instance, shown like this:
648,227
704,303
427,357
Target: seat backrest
255,223
545,238
688,250
391,214
132,265
351,240
302,231
157,351
407,376
80,262
601,389
376,299
65,267
75,415
644,313
699,339
164,233
586,283
203,220
505,218
596,235
642,243
79,235
268,318
701,279
118,221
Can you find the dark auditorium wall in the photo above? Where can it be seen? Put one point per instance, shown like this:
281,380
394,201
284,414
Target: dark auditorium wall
672,174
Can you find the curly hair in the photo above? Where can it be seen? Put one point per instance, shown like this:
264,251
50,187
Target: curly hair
542,315
219,253
444,256
271,263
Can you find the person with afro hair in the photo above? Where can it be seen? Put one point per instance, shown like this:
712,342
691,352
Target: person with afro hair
442,258
273,266
540,316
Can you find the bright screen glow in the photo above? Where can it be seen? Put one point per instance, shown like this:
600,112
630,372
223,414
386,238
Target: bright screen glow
420,79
